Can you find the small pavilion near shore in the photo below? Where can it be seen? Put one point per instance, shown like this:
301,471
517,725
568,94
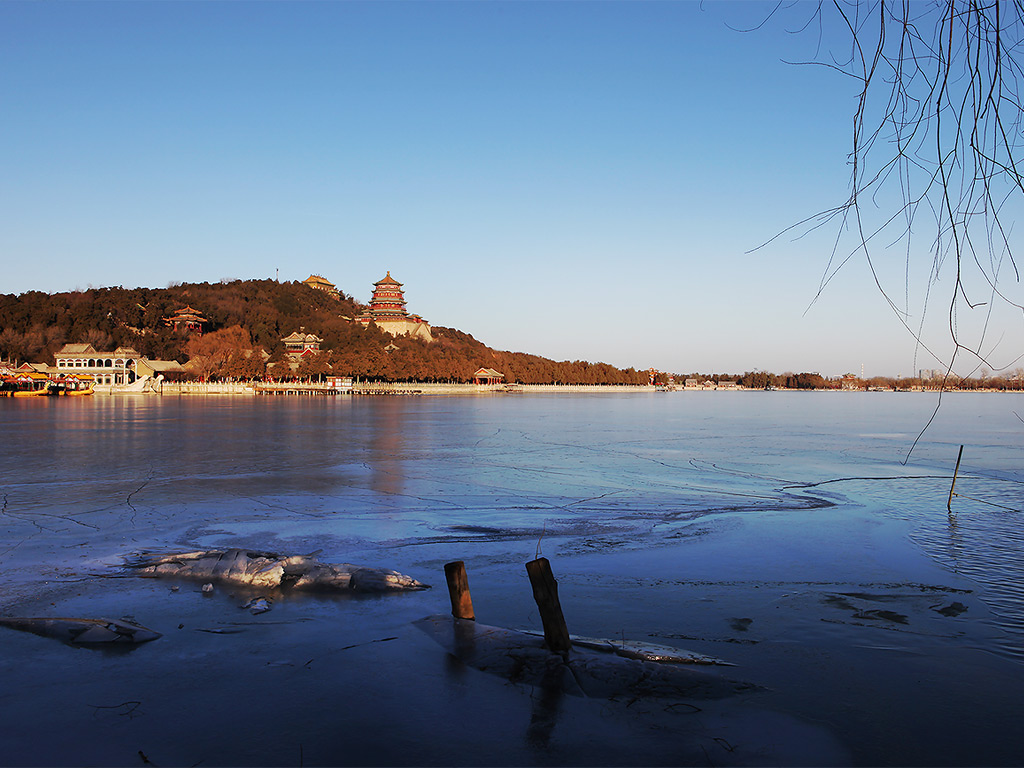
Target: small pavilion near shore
488,376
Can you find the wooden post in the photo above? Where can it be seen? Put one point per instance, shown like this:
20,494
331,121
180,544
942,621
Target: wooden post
545,592
949,501
458,590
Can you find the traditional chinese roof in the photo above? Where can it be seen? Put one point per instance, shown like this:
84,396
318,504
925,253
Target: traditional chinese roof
388,280
313,280
77,349
186,314
33,367
301,337
489,373
187,310
87,349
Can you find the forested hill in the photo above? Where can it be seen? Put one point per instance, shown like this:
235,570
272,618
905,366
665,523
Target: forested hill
256,314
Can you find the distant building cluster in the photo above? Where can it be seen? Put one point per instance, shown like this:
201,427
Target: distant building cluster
387,307
122,366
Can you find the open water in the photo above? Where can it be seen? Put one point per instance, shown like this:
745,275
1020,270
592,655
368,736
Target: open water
787,532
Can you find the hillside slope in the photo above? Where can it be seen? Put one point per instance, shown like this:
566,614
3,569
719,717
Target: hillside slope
34,325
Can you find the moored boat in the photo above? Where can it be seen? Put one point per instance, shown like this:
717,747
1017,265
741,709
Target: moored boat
24,384
73,385
35,384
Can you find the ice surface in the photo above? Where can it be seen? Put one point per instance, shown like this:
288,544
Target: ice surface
779,531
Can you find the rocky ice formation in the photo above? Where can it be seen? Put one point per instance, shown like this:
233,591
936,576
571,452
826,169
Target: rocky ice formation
83,631
268,570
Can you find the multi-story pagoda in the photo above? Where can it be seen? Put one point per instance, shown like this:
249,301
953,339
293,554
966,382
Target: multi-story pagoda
387,311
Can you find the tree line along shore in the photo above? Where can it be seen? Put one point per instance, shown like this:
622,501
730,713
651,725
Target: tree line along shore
246,323
243,337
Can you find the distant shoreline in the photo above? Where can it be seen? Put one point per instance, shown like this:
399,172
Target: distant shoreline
388,388
250,389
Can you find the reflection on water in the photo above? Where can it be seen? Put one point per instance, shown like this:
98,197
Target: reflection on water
602,472
386,458
985,543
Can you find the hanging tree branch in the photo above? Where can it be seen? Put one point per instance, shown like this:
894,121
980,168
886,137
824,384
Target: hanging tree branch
937,128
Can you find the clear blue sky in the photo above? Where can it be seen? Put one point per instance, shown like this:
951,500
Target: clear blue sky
576,180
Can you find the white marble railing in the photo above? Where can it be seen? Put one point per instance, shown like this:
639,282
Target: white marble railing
388,388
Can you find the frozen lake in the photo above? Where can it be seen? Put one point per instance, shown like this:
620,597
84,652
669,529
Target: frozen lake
780,531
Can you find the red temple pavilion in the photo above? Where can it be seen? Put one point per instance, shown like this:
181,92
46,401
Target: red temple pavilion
187,319
387,311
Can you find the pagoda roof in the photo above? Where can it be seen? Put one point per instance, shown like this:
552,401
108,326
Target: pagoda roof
387,280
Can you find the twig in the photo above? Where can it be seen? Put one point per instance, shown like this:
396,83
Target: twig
990,503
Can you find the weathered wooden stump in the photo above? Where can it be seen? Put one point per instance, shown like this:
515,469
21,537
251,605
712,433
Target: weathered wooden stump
458,590
545,593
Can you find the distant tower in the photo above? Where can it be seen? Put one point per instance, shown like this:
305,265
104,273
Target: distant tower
862,370
388,301
387,311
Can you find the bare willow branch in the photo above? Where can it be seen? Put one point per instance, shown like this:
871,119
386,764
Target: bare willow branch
938,126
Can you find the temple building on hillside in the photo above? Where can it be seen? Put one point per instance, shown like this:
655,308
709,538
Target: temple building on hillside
186,319
300,345
318,283
387,311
